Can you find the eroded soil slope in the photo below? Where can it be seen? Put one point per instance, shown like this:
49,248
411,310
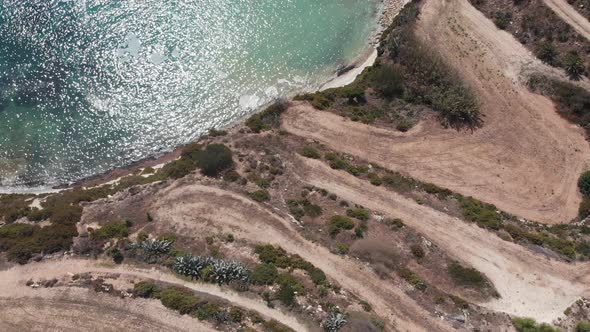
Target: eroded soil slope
525,159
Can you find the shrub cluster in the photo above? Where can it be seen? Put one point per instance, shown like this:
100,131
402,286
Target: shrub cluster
212,160
303,207
358,213
542,31
337,162
483,214
467,276
427,78
522,324
278,257
267,119
412,278
338,223
110,230
311,152
22,241
185,301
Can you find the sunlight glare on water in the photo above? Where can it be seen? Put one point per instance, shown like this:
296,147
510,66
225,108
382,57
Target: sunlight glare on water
86,86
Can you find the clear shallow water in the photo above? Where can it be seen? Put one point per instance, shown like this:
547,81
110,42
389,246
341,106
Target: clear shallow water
86,86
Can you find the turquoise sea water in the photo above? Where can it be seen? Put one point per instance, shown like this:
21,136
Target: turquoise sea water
86,86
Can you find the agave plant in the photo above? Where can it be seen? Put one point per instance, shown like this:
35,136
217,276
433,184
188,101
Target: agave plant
222,272
155,247
226,272
191,266
334,322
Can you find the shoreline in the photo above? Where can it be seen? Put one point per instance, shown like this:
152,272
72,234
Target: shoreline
387,12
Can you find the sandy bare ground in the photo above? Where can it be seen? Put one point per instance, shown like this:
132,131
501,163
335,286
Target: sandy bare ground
191,208
529,285
526,159
570,16
73,310
13,288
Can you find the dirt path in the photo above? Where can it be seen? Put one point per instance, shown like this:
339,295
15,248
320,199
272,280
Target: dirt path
526,159
190,208
75,310
13,287
529,285
570,16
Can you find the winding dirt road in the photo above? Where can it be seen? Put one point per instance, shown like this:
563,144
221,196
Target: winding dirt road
525,159
530,285
13,288
570,16
190,208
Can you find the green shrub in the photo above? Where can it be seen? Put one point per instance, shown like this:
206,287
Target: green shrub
286,294
236,314
358,213
178,299
113,229
583,326
312,210
267,119
546,52
399,182
265,274
456,104
302,207
342,248
116,255
145,289
359,231
522,324
214,159
310,152
179,168
584,183
287,279
336,162
483,214
260,195
387,80
394,224
268,253
466,276
502,19
317,275
321,101
277,256
374,179
263,183
207,311
412,278
436,190
338,223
